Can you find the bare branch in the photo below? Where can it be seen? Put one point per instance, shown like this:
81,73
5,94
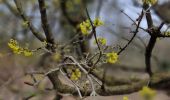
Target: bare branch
135,33
95,36
37,34
44,21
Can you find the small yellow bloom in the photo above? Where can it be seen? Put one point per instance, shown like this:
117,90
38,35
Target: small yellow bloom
18,51
78,73
112,57
147,93
167,33
125,98
13,44
75,75
152,2
101,40
85,27
28,52
97,22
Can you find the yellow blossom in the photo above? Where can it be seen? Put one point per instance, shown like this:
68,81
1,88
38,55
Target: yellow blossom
18,51
152,2
101,40
78,73
28,52
167,33
97,22
13,44
112,57
75,75
85,27
147,93
125,98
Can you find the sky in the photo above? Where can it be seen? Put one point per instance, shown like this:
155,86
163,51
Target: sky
114,19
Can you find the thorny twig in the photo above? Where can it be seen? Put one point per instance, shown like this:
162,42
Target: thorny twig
135,33
95,36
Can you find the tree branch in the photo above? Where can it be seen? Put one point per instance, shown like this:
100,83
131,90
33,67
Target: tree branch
135,33
44,21
24,17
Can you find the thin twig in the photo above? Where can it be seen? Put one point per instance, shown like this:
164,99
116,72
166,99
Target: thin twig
135,33
95,36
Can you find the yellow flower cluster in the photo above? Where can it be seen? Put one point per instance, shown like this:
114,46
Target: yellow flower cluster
125,98
27,52
101,40
97,22
152,2
75,75
13,44
112,57
167,33
86,27
147,93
